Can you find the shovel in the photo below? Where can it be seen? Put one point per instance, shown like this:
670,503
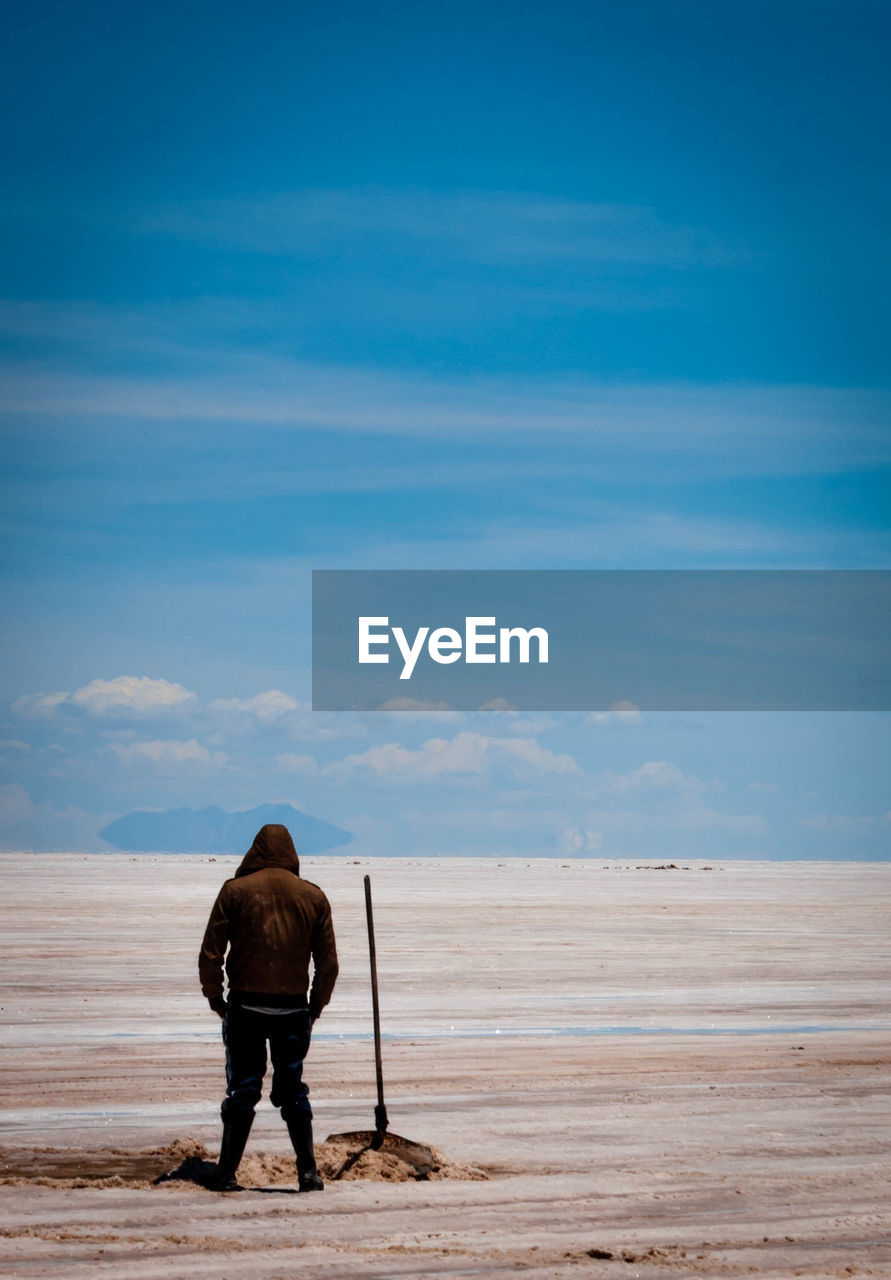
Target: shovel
421,1158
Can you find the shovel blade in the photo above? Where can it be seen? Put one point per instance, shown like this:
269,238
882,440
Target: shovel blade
419,1156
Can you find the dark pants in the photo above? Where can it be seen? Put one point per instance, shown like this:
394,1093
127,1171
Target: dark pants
245,1035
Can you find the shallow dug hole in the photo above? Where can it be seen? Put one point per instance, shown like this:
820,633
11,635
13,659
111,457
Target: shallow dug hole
112,1167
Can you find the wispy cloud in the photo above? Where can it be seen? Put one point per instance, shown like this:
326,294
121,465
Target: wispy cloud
170,752
268,706
847,824
628,537
476,226
468,754
645,431
27,824
616,822
652,776
295,762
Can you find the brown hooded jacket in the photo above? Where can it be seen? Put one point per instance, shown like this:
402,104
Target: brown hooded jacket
272,921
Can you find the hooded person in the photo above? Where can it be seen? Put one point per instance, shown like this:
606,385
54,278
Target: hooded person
273,922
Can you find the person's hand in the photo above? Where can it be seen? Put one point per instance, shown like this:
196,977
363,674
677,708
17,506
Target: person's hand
218,1004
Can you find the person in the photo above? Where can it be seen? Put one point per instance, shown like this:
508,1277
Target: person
272,921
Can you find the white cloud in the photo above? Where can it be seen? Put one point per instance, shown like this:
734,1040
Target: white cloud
653,775
168,752
266,706
415,704
140,695
472,754
38,706
289,762
619,713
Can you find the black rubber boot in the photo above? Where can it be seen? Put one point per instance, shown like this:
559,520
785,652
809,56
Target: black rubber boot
236,1127
300,1132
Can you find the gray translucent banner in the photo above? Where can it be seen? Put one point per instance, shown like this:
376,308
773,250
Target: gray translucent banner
580,640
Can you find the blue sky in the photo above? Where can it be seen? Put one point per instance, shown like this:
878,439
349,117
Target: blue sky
520,286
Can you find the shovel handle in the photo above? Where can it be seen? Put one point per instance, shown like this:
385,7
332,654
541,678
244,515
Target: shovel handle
380,1111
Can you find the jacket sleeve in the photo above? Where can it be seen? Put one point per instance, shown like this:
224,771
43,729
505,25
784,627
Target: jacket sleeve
213,949
324,961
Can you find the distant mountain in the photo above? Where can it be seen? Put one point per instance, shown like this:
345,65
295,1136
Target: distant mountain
215,831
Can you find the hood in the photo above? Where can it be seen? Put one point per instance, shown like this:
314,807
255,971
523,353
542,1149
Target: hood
272,847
